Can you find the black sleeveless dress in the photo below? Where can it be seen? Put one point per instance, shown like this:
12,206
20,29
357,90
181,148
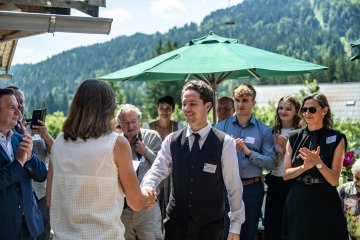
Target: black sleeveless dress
313,212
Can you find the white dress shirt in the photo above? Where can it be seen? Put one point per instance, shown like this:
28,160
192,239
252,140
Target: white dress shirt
162,167
5,142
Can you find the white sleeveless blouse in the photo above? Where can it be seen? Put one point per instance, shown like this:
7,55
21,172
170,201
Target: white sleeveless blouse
87,198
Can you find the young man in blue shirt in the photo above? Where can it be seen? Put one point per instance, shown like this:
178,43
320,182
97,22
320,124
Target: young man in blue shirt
255,151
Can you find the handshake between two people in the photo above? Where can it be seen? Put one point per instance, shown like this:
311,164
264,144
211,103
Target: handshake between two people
149,198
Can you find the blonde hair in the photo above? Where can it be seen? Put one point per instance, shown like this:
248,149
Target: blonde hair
244,90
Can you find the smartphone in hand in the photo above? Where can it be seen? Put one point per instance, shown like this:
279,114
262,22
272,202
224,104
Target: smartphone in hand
38,114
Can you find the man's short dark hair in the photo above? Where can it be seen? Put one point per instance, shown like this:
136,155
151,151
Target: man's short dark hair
228,99
167,99
205,91
6,91
13,88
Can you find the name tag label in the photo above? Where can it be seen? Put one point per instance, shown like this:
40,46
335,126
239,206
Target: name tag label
330,139
250,140
210,168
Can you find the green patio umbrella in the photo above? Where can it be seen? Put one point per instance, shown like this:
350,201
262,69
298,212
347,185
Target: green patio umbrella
213,59
356,46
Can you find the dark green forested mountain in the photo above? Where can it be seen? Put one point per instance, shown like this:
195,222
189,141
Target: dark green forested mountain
313,30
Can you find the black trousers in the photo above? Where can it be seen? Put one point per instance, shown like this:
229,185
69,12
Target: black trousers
24,233
46,219
274,208
191,231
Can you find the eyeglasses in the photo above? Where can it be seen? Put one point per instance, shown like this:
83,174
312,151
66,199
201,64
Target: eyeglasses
310,109
127,123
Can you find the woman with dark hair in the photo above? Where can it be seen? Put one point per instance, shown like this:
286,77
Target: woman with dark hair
91,170
164,125
286,120
313,159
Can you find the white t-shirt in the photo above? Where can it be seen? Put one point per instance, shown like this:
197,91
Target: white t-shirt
278,171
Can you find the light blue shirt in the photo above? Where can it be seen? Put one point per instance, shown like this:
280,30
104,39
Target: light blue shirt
258,138
5,142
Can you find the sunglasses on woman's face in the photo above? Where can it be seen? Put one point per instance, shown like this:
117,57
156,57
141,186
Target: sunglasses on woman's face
310,109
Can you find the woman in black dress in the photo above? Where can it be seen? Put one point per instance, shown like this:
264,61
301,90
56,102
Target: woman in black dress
313,160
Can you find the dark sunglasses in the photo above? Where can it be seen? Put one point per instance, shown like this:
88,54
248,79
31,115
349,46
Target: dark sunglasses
310,109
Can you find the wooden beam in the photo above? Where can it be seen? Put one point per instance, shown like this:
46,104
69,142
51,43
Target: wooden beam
90,7
7,50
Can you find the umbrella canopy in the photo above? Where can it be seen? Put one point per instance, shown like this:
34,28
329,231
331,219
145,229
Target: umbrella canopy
213,59
356,46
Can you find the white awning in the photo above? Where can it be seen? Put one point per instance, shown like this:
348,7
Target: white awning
35,23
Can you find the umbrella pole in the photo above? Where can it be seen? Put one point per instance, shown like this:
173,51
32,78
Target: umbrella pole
214,107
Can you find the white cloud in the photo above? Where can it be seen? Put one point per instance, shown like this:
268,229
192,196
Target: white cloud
119,16
129,17
168,9
234,2
28,55
225,3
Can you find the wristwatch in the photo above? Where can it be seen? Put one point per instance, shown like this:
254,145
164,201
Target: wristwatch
319,165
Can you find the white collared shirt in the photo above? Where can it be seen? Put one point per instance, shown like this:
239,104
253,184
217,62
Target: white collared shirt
162,167
5,142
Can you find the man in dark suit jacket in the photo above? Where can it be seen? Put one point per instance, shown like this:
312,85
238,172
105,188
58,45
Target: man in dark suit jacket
20,216
42,143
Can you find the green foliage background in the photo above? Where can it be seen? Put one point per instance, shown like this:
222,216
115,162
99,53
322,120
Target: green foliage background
312,30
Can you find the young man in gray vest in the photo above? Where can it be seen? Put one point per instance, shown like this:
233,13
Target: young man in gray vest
202,161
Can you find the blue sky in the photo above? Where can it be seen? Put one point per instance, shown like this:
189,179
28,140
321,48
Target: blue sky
129,17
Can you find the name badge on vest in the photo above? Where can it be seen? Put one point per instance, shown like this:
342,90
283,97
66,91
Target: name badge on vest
330,139
250,140
210,168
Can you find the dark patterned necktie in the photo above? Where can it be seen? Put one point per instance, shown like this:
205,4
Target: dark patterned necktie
196,147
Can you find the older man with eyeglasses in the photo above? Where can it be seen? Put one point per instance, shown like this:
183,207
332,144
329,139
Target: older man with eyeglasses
145,144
